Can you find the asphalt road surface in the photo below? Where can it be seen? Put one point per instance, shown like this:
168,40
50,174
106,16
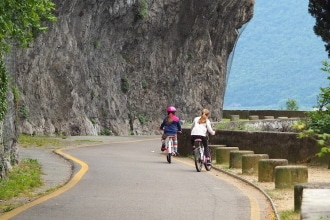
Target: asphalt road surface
133,180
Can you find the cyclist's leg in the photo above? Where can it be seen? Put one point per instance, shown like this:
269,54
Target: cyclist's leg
163,147
192,141
207,153
206,148
175,144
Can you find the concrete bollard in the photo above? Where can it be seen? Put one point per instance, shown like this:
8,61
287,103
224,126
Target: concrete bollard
299,188
222,154
266,168
288,176
250,163
235,158
315,204
254,117
213,149
234,117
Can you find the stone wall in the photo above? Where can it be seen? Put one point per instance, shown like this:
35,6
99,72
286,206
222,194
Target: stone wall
275,125
278,145
244,114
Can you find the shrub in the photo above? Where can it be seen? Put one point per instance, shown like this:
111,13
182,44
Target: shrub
124,85
106,132
24,112
142,118
143,9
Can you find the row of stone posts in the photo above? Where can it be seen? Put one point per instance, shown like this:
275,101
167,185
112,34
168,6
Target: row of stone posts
255,117
268,170
311,199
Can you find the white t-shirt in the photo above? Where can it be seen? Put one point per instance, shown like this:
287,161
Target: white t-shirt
201,129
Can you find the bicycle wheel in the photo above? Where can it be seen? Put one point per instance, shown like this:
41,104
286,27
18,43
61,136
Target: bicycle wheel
169,157
169,150
198,160
208,166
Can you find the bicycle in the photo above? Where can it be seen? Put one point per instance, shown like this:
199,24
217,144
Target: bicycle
169,148
199,156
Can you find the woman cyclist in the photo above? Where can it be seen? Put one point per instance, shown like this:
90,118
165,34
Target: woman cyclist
199,128
171,126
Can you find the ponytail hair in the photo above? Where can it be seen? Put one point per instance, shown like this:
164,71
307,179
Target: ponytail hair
204,116
170,118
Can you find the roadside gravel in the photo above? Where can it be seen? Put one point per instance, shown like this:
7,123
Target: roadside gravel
283,199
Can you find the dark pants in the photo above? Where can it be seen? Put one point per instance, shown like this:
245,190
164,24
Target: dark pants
204,142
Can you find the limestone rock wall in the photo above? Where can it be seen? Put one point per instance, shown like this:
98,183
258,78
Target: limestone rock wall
104,67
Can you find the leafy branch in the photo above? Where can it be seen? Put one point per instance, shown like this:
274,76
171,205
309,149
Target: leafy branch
318,125
322,141
21,20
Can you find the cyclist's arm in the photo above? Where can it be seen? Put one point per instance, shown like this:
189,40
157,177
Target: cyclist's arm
162,125
192,125
209,127
179,126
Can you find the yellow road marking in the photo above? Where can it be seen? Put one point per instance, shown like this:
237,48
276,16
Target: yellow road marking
254,205
69,185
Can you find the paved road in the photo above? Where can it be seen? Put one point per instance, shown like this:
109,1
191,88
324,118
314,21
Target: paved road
132,180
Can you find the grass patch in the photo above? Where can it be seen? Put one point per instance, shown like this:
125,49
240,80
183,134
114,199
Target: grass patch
289,215
38,141
49,142
21,180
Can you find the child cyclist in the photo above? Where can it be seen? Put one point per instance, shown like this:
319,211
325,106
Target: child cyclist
171,126
199,128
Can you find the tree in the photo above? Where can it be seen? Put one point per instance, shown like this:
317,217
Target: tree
320,10
291,105
20,22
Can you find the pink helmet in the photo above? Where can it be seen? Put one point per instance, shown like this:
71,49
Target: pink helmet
171,109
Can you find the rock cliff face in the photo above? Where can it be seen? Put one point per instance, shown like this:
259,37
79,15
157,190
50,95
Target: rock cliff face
115,65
